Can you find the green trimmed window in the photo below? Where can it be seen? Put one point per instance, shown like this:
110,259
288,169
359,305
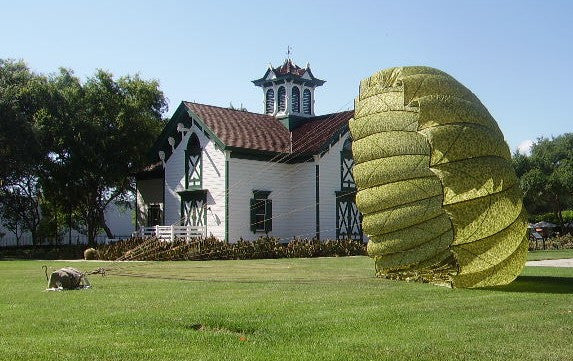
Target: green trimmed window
193,163
193,208
346,165
261,212
348,218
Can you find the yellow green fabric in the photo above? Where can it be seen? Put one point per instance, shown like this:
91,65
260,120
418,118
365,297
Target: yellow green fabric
439,197
391,169
411,236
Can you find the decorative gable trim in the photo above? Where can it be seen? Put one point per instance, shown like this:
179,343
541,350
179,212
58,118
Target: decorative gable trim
206,130
336,137
171,137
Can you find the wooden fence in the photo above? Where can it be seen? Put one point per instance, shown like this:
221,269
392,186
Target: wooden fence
169,233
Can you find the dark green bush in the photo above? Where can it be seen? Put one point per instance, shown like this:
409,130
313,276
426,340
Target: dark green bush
43,252
153,249
90,254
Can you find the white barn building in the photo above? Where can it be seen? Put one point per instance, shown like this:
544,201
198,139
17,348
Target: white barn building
235,174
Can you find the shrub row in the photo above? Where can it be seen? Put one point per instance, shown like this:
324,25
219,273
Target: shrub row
560,242
47,252
153,249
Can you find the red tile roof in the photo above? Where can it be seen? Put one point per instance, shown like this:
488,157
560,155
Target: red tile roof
243,129
313,135
288,70
289,67
263,132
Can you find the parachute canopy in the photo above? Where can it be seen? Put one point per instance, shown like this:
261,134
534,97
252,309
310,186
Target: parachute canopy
436,187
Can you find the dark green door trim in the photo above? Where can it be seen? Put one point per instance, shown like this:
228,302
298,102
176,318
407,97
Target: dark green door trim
227,201
317,200
163,204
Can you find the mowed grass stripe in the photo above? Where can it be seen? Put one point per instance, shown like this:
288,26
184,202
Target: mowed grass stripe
295,309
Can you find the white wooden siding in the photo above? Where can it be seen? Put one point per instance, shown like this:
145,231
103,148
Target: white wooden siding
302,197
248,175
329,184
292,189
213,180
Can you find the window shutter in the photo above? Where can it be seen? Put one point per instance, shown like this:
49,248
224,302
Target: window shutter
295,99
253,216
306,102
270,102
282,98
268,215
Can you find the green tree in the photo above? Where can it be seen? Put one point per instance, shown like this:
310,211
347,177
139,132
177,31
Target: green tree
97,134
546,176
22,100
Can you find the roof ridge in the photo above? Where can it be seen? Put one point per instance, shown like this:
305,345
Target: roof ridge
265,115
229,109
260,132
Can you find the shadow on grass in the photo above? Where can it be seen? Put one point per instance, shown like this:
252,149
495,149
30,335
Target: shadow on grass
538,284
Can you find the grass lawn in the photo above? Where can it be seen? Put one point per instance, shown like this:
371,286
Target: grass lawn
553,254
287,309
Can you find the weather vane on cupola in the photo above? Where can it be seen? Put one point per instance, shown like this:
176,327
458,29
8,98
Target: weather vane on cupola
288,51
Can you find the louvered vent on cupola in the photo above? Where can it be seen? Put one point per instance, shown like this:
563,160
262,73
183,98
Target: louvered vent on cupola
295,99
270,102
282,98
306,102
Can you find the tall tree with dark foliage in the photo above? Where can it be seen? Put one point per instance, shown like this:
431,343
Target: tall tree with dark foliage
71,147
98,135
546,176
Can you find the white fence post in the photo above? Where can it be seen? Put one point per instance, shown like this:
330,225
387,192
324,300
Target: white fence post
169,233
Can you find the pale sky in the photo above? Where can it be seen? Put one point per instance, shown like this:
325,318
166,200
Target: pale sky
515,56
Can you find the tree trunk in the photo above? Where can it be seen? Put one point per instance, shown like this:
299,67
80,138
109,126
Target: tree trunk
92,225
70,227
559,214
18,236
34,235
108,232
91,236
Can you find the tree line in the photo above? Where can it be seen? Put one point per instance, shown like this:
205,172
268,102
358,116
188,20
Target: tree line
70,148
546,176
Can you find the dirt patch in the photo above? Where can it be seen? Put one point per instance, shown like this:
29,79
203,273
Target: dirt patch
242,335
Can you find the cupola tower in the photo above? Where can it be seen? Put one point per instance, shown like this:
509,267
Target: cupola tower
288,90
